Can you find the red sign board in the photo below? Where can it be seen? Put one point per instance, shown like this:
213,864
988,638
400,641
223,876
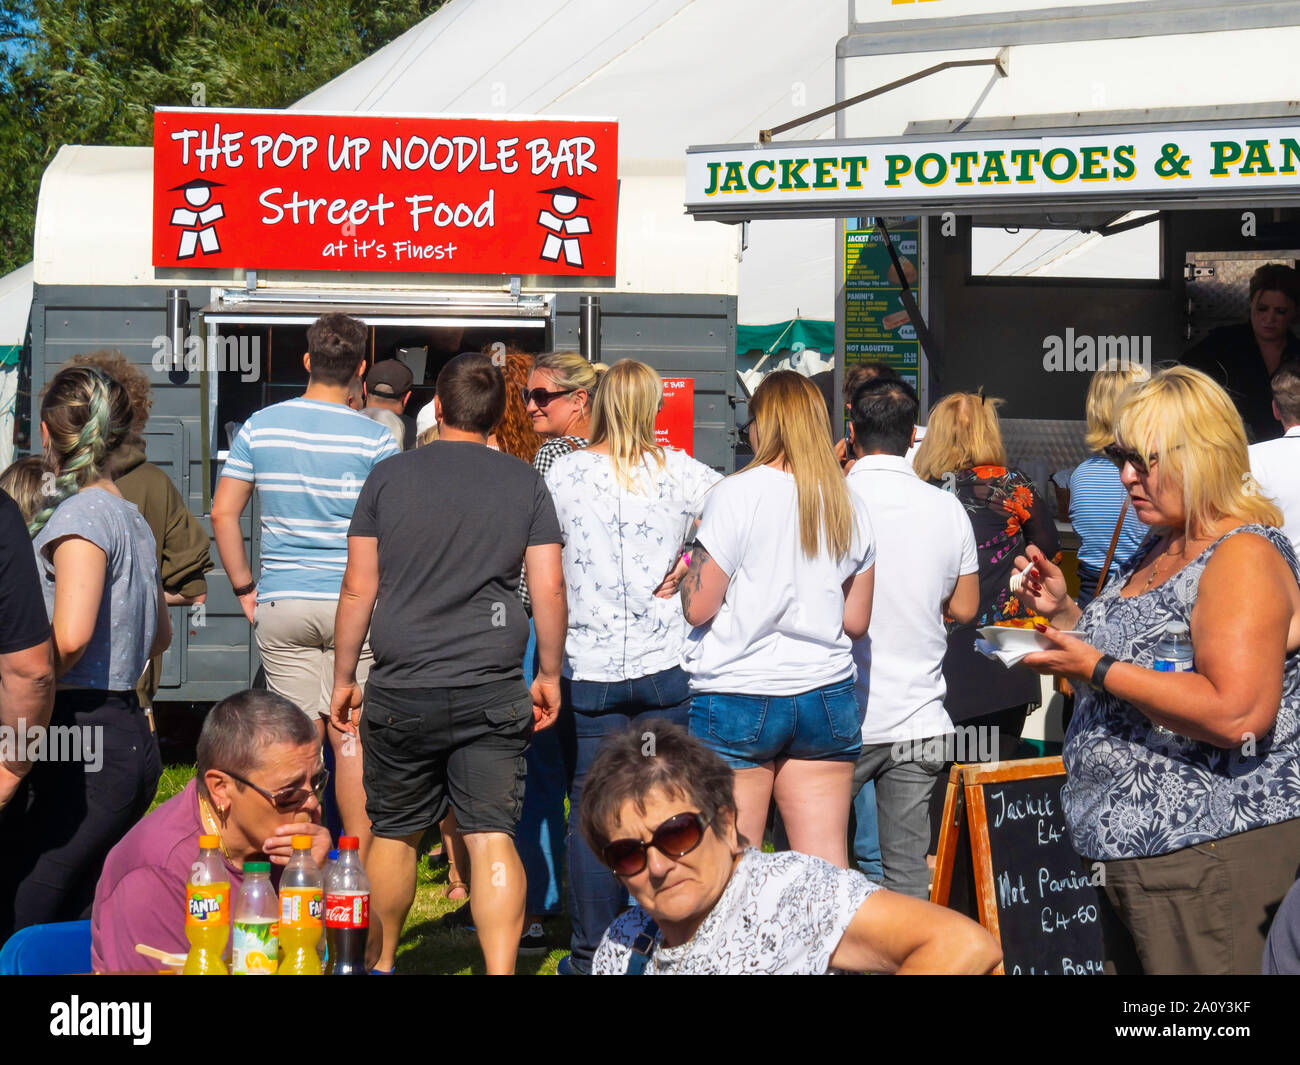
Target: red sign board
675,426
298,191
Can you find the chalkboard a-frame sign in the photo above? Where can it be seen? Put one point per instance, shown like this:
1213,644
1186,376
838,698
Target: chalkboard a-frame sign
1005,860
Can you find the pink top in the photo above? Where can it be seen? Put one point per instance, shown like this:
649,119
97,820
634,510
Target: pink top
140,897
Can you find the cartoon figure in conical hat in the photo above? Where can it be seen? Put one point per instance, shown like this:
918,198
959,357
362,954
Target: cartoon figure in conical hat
564,226
198,225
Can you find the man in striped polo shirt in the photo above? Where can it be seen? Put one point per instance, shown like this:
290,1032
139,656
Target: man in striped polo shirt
307,458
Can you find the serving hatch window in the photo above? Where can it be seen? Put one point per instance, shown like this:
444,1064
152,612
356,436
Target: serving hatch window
273,350
1104,252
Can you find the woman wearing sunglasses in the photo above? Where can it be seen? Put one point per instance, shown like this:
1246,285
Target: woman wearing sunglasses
625,506
1097,497
558,398
661,813
1184,784
780,584
258,783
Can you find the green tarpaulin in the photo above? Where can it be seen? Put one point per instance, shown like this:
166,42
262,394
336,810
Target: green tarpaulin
795,335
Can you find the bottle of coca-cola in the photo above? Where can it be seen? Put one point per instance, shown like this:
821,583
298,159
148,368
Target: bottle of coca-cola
347,911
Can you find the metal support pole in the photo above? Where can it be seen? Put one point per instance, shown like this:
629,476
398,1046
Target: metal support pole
589,327
178,324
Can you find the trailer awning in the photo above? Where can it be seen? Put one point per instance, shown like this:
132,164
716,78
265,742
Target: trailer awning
1114,169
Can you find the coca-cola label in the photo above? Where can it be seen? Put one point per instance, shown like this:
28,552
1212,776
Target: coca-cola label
347,910
300,907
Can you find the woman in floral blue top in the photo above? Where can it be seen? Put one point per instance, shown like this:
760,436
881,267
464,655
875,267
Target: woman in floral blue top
1184,787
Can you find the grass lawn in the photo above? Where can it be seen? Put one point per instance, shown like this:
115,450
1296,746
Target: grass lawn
428,945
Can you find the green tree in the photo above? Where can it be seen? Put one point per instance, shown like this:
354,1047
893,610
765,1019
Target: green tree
92,71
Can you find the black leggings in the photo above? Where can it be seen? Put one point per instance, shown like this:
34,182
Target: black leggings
68,814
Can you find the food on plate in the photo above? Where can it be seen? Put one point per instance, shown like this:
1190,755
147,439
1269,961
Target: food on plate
1021,623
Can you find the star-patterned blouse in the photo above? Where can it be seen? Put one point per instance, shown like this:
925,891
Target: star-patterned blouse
618,547
1133,789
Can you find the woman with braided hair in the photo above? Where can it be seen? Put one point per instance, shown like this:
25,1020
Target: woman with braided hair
96,557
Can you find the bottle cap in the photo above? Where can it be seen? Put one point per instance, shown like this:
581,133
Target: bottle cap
334,855
349,843
257,867
1176,628
209,843
302,843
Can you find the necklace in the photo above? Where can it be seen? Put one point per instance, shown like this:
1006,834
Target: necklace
1166,553
210,824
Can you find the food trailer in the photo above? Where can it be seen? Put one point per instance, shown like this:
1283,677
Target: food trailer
205,259
1060,185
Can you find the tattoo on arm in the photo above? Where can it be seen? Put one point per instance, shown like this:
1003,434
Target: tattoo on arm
693,579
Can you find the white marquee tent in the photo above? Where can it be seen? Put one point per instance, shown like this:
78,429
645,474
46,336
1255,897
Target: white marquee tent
673,72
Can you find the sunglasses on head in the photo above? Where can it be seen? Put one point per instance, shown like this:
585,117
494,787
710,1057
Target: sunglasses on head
287,799
675,838
541,396
1121,455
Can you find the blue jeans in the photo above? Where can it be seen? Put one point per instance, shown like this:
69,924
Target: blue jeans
539,839
866,835
596,896
748,731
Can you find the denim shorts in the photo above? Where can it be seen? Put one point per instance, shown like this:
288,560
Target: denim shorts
747,731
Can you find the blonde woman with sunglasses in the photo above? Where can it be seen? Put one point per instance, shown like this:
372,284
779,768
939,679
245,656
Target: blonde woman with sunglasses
1183,784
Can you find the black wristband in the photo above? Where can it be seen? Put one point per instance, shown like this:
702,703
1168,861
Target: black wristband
241,592
1099,672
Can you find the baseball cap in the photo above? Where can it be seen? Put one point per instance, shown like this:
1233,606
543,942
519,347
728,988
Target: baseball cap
389,378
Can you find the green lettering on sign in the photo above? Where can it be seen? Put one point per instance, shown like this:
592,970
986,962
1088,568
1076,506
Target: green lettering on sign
754,182
823,180
940,169
1225,152
791,174
899,167
1055,155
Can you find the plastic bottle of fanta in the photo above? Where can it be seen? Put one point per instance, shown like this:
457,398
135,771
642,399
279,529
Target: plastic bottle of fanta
257,924
207,911
302,905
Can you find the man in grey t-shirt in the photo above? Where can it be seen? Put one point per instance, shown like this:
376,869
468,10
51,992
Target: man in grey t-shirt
434,550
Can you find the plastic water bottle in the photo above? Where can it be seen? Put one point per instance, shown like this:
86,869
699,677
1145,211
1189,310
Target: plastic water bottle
1173,654
256,950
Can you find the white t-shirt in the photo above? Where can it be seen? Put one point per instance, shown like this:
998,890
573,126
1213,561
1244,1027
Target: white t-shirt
1276,466
924,542
780,630
779,915
618,547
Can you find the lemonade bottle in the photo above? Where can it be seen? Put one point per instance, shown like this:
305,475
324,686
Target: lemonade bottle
302,905
256,928
207,911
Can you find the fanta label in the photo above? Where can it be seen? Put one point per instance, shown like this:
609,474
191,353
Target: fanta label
207,904
348,910
301,907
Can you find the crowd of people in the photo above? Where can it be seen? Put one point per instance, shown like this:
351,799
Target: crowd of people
521,598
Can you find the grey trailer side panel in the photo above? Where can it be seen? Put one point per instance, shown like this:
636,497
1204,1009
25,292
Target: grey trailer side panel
680,336
210,656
